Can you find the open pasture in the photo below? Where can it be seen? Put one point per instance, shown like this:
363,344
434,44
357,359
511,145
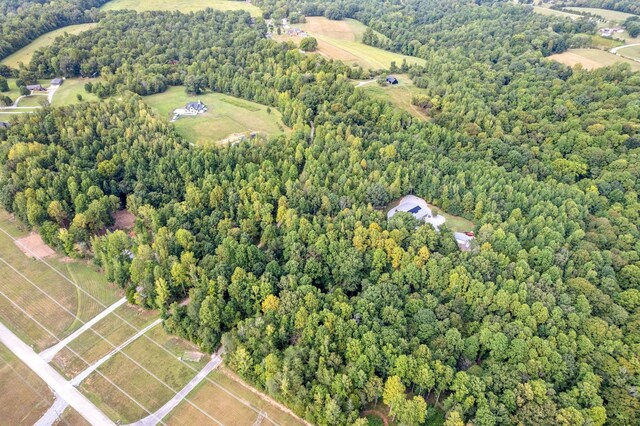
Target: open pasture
182,5
592,59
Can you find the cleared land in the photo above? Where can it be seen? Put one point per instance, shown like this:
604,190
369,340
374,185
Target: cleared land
226,116
24,55
18,275
592,59
399,95
147,390
182,5
68,93
609,15
225,407
33,100
631,52
342,40
25,397
551,12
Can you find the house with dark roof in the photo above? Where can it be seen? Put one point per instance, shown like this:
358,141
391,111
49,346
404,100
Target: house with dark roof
36,88
56,81
4,125
392,80
195,107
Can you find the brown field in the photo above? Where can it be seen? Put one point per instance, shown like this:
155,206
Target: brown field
33,246
24,397
225,408
592,59
70,417
124,219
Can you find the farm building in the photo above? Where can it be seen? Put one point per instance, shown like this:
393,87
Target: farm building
35,88
56,81
195,107
392,80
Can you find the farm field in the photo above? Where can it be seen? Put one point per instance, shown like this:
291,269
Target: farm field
592,59
631,52
29,397
182,5
24,273
67,94
225,407
609,15
226,116
342,40
143,389
551,12
24,55
399,95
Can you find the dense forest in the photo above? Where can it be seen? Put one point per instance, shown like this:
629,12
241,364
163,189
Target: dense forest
21,22
283,247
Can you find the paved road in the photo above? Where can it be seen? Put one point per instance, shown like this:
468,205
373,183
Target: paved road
53,379
49,353
154,419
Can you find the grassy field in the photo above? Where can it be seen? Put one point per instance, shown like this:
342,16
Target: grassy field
24,55
68,93
226,116
33,100
631,52
225,407
91,345
454,223
342,40
609,15
182,5
399,95
24,397
39,306
140,385
599,42
551,12
592,59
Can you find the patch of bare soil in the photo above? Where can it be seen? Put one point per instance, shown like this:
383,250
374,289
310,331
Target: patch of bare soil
33,246
124,220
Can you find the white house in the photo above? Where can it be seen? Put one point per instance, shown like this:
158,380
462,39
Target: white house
415,208
464,240
195,108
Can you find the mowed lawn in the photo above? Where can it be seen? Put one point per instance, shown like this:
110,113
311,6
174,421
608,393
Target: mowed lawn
226,116
609,15
24,397
399,95
112,331
221,398
592,59
67,94
631,52
342,40
182,5
126,392
23,305
24,55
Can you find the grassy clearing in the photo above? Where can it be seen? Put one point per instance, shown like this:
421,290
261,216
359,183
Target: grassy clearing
140,385
182,5
551,12
101,339
454,223
599,42
33,100
24,55
226,116
609,15
399,95
41,307
226,408
71,417
592,59
14,92
342,40
631,52
67,94
25,397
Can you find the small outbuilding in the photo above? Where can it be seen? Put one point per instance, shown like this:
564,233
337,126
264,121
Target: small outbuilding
56,82
464,240
392,80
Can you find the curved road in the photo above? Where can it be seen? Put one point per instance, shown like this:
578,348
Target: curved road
53,379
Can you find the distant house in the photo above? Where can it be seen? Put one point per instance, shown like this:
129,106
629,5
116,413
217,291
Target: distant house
420,212
195,108
464,240
392,80
4,125
35,88
56,81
